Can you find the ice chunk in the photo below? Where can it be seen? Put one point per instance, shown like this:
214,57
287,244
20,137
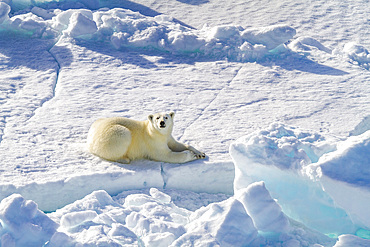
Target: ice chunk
138,200
349,163
62,20
362,127
357,53
43,13
307,44
249,51
60,239
149,37
81,25
345,176
284,147
271,36
23,224
184,42
351,240
278,156
96,201
225,223
224,32
162,197
265,212
97,218
158,207
122,234
145,226
76,218
159,239
4,12
155,218
28,23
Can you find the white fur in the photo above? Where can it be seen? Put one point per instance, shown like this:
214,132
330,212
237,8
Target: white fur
122,140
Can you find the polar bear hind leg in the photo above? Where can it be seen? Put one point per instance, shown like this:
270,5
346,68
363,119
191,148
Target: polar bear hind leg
118,141
111,143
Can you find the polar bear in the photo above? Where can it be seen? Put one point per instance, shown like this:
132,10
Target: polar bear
122,139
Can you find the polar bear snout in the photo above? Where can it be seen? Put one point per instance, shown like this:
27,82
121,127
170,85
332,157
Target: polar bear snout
162,121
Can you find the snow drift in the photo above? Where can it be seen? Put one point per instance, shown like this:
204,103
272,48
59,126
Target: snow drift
124,28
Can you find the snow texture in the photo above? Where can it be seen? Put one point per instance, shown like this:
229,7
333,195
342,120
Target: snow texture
238,74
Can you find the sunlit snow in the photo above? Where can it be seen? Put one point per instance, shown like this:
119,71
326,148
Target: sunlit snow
276,93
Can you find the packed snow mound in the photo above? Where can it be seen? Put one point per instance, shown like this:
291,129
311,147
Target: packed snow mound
305,44
304,171
4,12
349,163
80,24
357,54
284,147
362,127
22,224
124,28
264,210
221,224
350,240
344,175
153,219
271,37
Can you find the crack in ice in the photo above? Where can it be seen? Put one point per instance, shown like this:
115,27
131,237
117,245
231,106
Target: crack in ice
57,75
54,84
164,176
210,103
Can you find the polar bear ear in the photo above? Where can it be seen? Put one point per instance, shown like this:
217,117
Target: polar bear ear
150,117
172,114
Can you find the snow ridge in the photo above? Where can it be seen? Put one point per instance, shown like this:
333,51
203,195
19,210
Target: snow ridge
124,28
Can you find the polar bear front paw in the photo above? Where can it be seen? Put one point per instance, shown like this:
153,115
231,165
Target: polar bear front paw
190,155
199,155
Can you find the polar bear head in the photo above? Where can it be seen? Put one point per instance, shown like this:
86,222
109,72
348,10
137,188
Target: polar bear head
162,122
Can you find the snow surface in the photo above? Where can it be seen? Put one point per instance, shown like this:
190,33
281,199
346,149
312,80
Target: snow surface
238,74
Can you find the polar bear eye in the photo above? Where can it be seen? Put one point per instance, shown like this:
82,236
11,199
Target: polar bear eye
158,118
166,118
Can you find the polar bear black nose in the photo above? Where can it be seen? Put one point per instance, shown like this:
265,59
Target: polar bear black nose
162,124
